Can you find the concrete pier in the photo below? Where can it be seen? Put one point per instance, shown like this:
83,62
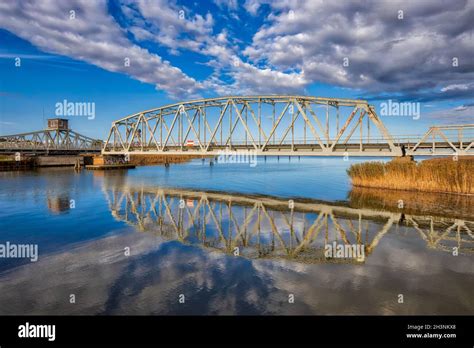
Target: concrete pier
59,161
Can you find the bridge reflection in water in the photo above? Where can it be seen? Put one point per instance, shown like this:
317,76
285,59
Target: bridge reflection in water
267,227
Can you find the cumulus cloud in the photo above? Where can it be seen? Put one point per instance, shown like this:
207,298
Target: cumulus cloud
176,28
167,23
366,44
249,79
91,36
411,50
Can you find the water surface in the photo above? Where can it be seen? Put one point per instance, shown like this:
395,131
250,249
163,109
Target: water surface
227,238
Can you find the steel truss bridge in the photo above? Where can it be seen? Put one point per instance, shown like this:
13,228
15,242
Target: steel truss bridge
49,141
276,126
265,227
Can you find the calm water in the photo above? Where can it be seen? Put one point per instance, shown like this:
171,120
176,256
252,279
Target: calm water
228,240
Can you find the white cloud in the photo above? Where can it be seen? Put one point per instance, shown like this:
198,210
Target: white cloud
165,22
230,4
461,87
459,114
300,43
250,80
160,21
383,52
92,36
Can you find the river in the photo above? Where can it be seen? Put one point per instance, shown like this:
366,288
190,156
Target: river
231,239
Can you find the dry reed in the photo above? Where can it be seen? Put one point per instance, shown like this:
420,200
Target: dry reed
435,175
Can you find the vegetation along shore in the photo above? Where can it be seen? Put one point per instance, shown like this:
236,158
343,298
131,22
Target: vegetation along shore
444,175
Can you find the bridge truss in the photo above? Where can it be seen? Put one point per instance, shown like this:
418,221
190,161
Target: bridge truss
268,125
49,140
446,140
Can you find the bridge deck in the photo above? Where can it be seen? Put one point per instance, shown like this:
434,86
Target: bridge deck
369,150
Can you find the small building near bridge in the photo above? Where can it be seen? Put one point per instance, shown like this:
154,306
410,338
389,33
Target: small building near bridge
58,123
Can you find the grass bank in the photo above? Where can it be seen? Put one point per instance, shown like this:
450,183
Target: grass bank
434,175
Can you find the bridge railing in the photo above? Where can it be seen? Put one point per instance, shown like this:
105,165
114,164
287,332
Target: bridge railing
407,140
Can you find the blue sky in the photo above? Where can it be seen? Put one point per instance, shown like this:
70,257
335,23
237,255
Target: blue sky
179,50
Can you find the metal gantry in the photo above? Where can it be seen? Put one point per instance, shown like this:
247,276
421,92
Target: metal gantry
49,140
268,125
273,228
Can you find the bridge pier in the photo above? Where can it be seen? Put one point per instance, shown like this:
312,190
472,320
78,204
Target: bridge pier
59,161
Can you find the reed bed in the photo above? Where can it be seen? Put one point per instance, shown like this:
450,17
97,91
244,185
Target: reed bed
145,160
435,175
6,158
